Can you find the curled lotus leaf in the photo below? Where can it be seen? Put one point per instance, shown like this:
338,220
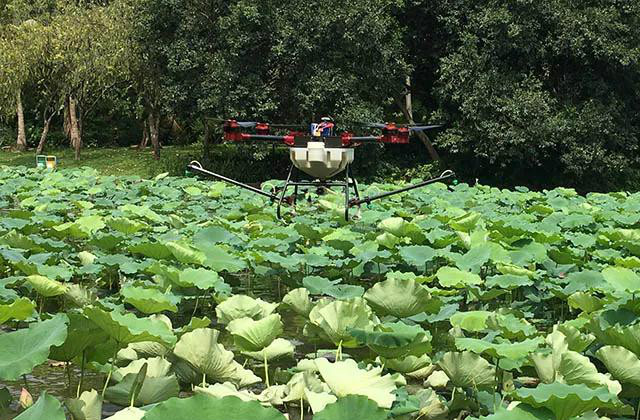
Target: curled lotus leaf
153,390
127,328
400,298
201,349
468,370
299,301
346,378
242,306
47,407
45,286
202,406
279,348
156,368
622,364
395,340
335,320
19,309
149,300
352,407
253,335
456,278
471,321
410,364
567,401
88,406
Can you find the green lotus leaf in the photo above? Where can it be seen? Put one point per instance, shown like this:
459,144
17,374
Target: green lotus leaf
414,366
194,324
87,407
519,412
299,301
336,318
45,286
346,378
471,321
465,223
201,349
305,384
148,349
242,306
417,255
226,389
201,278
277,349
622,364
586,302
612,328
82,333
512,351
24,349
156,367
400,298
576,341
220,260
468,370
185,253
508,281
454,277
622,279
80,296
129,413
575,368
352,407
125,225
512,269
153,390
156,250
127,328
149,300
19,310
395,225
47,407
252,335
206,407
510,326
567,401
395,340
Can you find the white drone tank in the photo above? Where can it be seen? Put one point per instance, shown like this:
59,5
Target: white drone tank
319,161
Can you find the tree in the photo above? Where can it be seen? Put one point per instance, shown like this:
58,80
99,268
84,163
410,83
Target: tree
538,92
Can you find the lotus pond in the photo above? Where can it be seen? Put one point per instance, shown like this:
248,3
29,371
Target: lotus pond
175,298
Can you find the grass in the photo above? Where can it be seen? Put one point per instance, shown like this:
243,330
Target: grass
113,160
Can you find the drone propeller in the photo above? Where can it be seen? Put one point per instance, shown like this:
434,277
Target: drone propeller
424,127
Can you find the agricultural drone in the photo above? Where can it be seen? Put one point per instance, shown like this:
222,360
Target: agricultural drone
321,154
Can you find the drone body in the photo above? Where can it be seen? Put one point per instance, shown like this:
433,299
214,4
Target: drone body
319,153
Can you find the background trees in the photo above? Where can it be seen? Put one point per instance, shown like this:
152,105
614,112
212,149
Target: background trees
540,93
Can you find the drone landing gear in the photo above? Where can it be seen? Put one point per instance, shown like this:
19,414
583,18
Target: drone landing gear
346,185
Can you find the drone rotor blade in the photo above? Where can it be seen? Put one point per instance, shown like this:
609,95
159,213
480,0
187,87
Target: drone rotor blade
424,127
247,124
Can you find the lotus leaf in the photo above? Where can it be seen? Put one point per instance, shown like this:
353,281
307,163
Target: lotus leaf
621,363
129,413
512,351
350,407
86,407
149,300
45,286
400,298
127,328
468,370
299,301
242,306
26,348
186,254
206,407
519,412
252,335
156,367
335,319
417,255
201,278
453,277
471,321
19,310
277,349
81,334
622,279
567,401
346,378
153,390
414,366
395,340
200,348
47,407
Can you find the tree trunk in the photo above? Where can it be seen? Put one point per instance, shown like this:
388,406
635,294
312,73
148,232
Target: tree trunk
407,110
45,133
75,133
145,134
207,137
154,134
21,143
66,125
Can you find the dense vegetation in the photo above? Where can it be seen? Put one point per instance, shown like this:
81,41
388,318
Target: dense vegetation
534,93
440,304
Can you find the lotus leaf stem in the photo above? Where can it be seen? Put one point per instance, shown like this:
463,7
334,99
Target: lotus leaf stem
266,368
339,352
204,380
113,361
302,408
